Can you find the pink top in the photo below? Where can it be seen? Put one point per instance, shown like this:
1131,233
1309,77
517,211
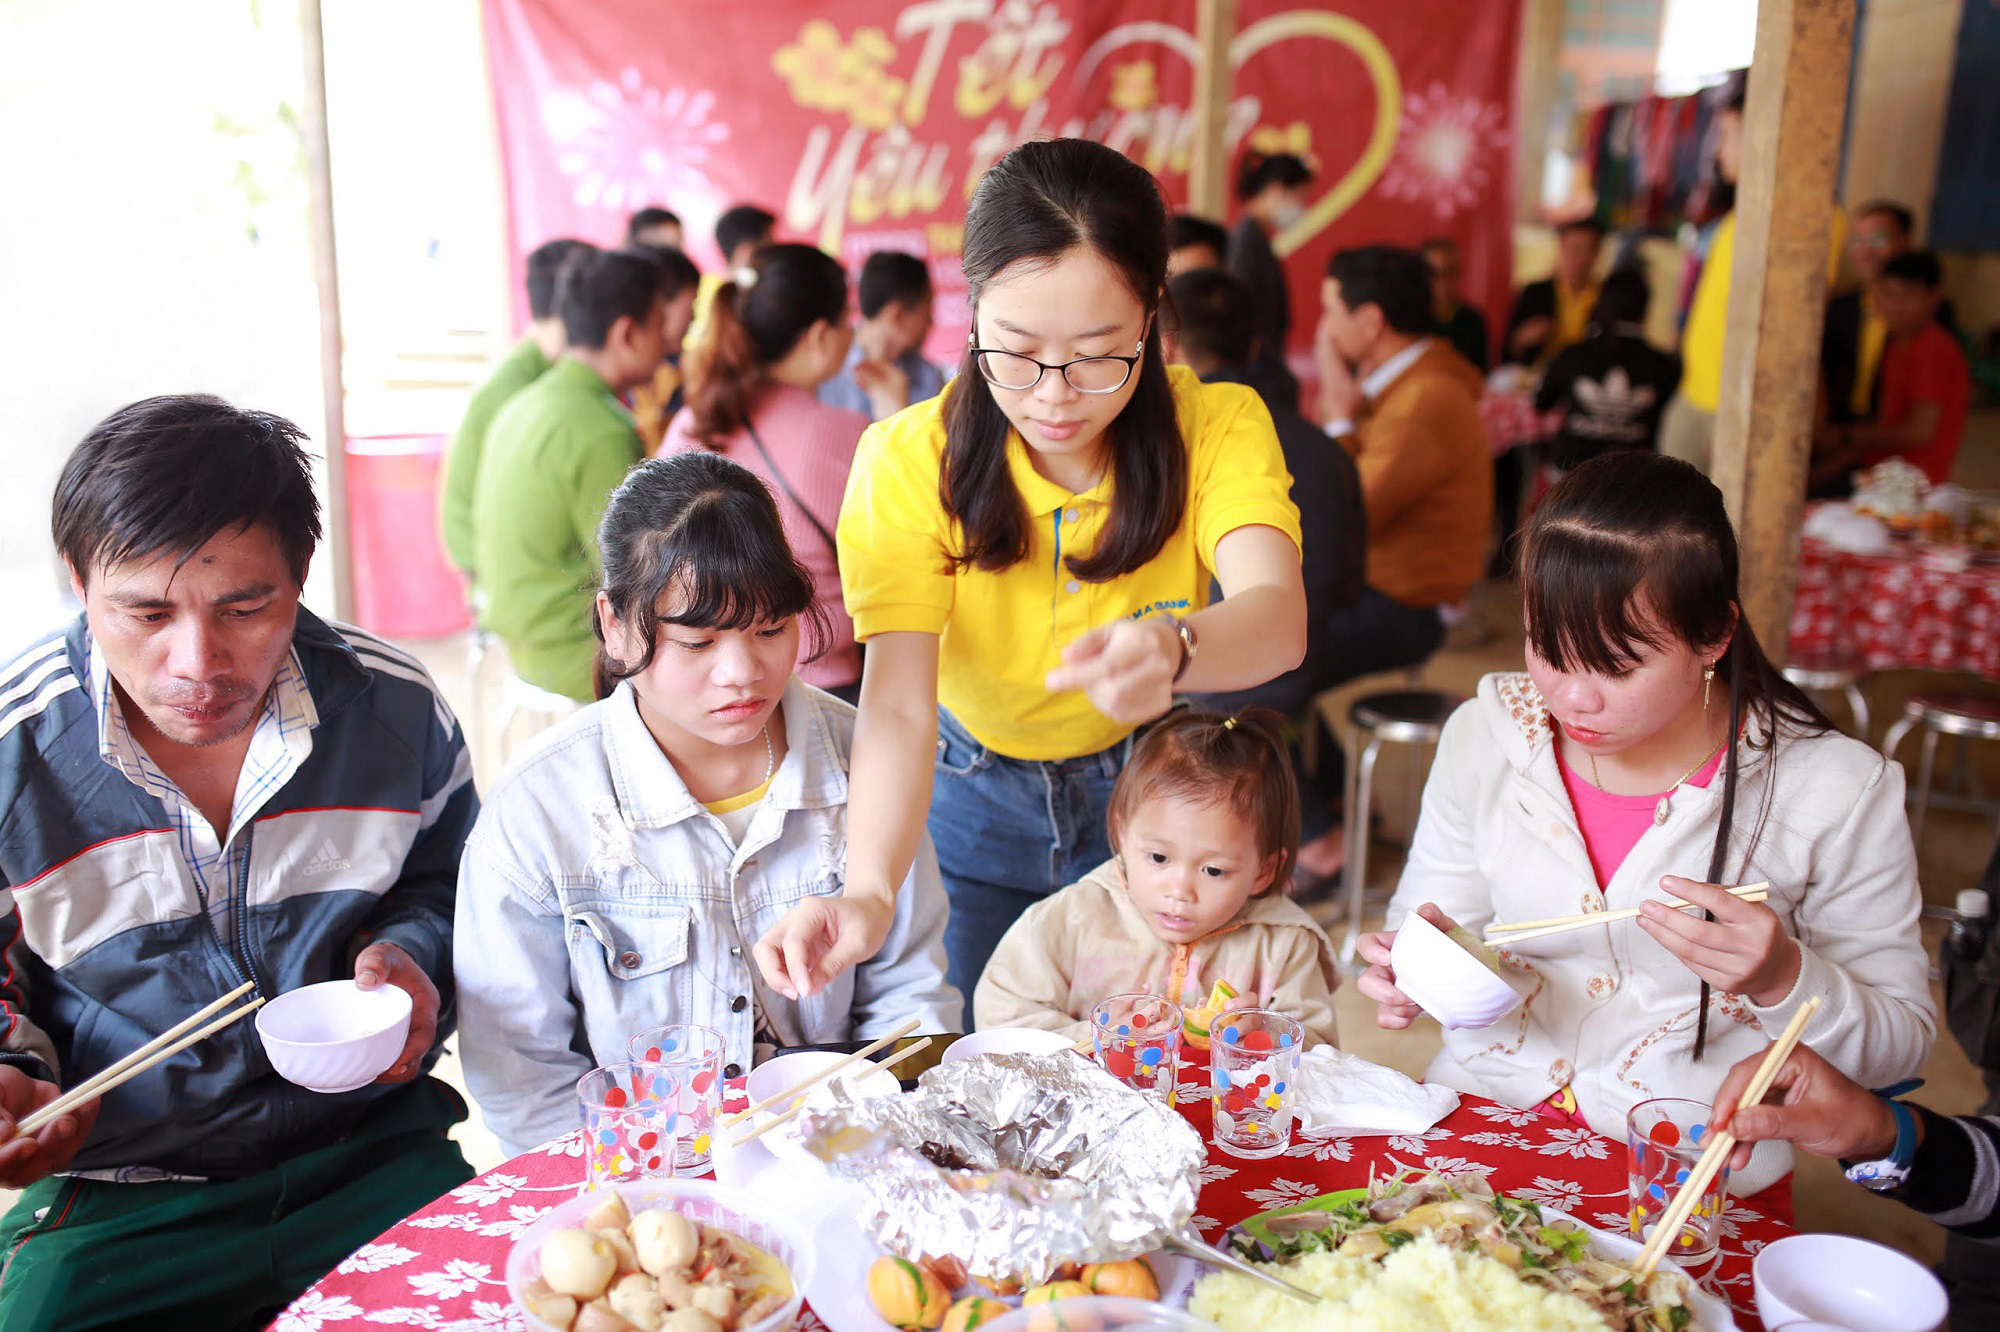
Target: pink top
1612,824
813,445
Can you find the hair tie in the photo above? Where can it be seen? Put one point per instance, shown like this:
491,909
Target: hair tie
744,278
1229,723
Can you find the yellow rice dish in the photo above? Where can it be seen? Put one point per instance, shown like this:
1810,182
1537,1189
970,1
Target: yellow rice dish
1422,1286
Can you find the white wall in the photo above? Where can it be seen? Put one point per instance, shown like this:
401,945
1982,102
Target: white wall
142,143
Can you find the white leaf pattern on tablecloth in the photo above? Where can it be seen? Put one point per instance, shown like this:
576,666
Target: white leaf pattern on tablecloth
519,1217
1735,1216
459,1277
312,1310
1283,1193
1457,1165
1615,1222
375,1257
569,1144
448,1221
1506,1114
489,1317
427,1317
1415,1142
488,1189
1204,1224
1518,1141
1211,1171
1577,1142
1560,1193
1323,1149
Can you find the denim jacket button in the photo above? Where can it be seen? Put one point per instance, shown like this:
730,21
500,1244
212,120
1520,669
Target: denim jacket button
736,950
732,1070
739,1003
629,961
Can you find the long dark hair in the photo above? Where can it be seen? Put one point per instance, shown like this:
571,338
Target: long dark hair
1632,550
754,325
701,526
1037,204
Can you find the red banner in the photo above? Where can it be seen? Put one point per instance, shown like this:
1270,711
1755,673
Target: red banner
869,127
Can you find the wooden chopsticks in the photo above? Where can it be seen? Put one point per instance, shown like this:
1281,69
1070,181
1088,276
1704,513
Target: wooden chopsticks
799,1109
163,1046
1521,930
1720,1145
802,1084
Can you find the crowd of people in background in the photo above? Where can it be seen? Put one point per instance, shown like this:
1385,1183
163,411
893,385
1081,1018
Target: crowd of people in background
900,692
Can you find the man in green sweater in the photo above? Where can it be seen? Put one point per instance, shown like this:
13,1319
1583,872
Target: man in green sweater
521,367
553,456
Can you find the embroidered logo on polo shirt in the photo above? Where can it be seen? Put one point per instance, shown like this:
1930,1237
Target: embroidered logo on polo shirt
326,860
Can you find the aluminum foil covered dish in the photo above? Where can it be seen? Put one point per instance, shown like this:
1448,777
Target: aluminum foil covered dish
1014,1165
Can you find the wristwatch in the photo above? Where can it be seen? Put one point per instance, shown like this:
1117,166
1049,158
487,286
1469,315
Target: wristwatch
1892,1171
1185,632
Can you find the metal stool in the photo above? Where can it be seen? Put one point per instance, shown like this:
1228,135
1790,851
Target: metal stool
1404,717
1968,716
1828,677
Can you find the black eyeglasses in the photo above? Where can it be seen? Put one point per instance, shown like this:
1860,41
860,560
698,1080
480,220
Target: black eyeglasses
1086,374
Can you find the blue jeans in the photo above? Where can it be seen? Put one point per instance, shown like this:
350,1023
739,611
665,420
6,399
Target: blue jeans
1008,833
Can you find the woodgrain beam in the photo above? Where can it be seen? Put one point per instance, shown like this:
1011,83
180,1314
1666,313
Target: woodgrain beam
1792,124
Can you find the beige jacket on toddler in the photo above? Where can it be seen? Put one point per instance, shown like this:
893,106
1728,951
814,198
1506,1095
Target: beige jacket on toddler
1088,942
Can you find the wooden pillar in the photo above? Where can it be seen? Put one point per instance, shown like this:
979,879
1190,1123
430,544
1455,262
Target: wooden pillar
1792,126
337,549
1214,79
1536,74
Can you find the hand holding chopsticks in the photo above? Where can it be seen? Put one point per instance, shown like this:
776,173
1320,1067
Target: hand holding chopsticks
1721,1144
164,1046
1521,930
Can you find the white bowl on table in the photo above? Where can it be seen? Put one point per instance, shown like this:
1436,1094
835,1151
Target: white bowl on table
862,1080
1006,1040
1444,980
767,1225
335,1036
1848,1282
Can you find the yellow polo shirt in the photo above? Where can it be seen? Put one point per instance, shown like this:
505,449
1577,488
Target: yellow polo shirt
1001,633
1708,311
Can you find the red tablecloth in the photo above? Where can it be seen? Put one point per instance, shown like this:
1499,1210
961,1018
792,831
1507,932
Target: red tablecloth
444,1268
1902,609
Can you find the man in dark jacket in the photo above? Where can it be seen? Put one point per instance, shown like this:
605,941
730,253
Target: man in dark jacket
203,786
1215,336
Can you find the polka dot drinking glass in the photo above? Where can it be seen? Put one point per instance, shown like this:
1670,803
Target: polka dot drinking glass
1253,1063
1138,1040
694,1055
631,1119
1664,1139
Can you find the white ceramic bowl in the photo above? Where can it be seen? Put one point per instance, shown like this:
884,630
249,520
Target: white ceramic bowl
1848,1282
772,1077
1005,1040
1444,980
764,1224
335,1036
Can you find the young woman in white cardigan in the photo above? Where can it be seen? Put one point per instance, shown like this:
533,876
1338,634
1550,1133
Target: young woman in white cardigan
1652,751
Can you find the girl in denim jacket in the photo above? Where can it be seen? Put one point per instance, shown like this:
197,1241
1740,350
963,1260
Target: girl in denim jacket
621,871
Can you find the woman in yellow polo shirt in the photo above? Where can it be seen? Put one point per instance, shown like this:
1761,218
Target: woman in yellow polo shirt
1028,558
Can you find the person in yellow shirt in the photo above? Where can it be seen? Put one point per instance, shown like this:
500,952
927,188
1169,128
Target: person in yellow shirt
1028,557
1554,314
1856,333
1687,428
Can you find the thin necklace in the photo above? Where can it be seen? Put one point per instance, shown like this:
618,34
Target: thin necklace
771,756
1661,810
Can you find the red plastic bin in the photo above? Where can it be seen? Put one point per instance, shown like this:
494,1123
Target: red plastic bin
403,586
